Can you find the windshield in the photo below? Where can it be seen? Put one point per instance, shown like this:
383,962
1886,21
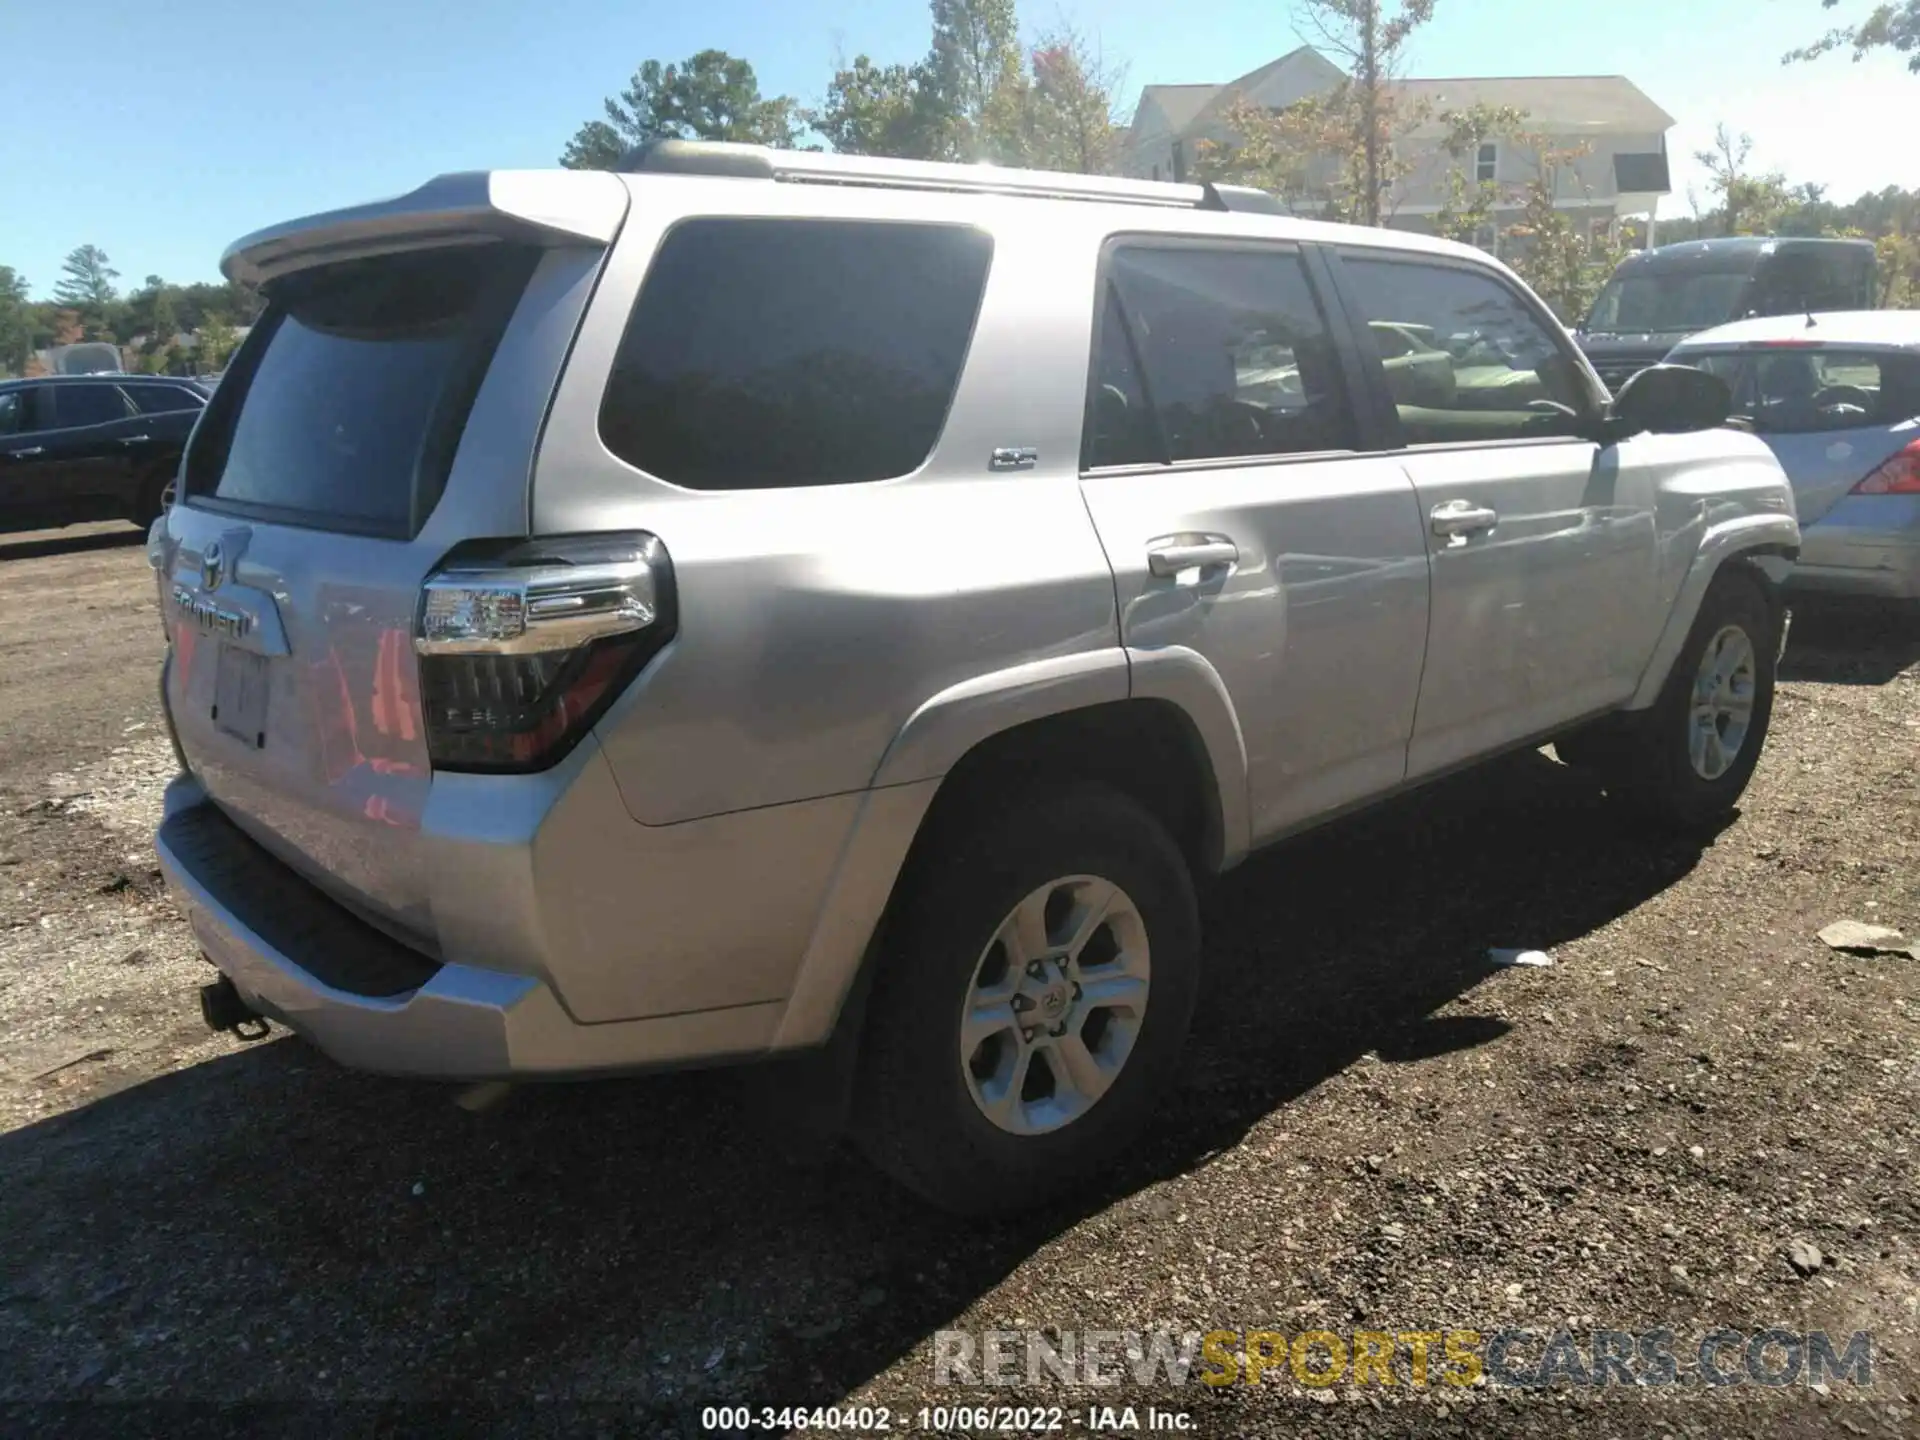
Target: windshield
1678,300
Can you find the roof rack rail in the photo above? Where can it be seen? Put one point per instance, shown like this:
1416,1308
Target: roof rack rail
760,162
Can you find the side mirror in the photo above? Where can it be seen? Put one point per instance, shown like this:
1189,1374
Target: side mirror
1669,400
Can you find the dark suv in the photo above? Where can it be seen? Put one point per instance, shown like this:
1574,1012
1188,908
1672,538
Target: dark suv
91,447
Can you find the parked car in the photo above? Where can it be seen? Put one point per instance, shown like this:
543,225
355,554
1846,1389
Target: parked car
1656,298
1837,399
764,604
91,447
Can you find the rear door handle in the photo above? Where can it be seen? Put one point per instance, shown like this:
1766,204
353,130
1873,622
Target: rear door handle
135,439
28,453
1462,517
1171,554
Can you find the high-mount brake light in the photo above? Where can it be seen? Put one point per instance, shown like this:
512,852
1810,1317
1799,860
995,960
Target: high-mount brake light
1899,474
522,648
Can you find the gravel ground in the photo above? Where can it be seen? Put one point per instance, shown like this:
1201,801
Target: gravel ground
1375,1129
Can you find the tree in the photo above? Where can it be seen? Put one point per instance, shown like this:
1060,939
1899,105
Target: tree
16,322
1337,155
1369,114
1058,114
1285,152
973,71
1469,207
1749,204
213,344
882,110
1564,265
86,280
1890,26
710,96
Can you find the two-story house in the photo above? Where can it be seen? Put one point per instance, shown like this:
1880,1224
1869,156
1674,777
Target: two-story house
1623,173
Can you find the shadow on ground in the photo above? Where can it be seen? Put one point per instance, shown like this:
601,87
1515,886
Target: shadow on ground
1837,641
266,1224
42,543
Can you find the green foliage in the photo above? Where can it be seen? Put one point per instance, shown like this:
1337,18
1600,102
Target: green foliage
882,110
86,280
972,71
1750,204
976,97
1058,112
710,96
1890,26
1470,204
1365,116
1339,155
1564,263
16,322
213,344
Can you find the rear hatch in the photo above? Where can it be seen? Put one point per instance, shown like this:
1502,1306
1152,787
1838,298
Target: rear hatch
384,410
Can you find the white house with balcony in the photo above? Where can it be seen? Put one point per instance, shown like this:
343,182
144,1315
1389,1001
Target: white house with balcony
1623,173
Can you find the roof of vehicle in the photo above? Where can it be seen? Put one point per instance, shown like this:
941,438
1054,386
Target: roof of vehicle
106,377
1899,328
1686,252
582,204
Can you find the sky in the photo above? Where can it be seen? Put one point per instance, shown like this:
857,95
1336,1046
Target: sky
179,127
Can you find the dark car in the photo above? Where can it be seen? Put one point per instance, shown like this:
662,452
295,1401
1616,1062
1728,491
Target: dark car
1657,298
91,447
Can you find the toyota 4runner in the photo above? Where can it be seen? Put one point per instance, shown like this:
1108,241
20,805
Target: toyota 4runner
761,603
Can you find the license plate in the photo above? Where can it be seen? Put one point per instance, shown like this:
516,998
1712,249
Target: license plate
240,695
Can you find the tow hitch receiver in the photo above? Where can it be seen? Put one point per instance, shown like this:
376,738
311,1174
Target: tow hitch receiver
223,1010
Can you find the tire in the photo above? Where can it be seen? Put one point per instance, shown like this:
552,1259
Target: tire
1649,758
155,496
916,1111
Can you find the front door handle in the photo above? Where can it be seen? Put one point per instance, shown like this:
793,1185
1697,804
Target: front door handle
1171,554
27,453
1463,517
135,439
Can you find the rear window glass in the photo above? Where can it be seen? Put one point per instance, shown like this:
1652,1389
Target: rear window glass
344,407
78,405
1794,390
159,399
771,353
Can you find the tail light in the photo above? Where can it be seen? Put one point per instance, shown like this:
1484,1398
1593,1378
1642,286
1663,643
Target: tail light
1900,475
522,649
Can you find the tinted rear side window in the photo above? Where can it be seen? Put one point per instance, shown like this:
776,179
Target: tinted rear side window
1237,357
160,399
344,407
770,353
77,405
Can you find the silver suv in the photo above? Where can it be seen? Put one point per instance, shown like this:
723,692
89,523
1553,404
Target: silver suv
760,603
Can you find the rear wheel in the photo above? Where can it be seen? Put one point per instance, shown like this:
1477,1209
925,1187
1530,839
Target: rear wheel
1686,761
1033,1000
156,495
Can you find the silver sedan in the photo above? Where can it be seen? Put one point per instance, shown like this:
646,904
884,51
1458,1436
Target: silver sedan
1837,397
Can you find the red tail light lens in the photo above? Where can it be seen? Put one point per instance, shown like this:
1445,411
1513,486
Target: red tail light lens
1900,475
522,650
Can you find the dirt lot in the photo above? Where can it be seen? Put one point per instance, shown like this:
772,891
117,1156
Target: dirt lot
1376,1130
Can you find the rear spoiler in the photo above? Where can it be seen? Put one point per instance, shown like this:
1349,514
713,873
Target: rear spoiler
542,207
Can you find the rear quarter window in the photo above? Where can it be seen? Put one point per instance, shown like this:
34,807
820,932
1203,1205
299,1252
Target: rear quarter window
163,399
767,353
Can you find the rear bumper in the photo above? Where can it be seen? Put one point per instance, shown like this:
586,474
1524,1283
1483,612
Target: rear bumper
373,1004
1867,545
